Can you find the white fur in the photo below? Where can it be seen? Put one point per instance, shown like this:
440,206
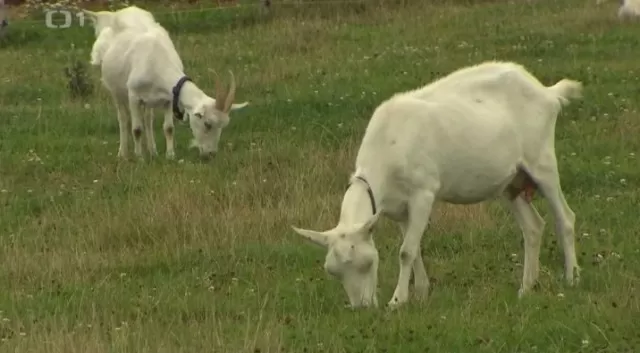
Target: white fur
627,9
132,17
463,139
103,21
100,46
136,18
140,66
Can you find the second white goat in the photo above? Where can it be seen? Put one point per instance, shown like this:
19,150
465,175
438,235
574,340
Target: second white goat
142,69
478,133
134,18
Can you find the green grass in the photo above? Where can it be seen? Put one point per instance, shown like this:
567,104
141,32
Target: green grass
98,255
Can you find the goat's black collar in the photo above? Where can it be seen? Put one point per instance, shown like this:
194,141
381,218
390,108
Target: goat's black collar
369,191
176,97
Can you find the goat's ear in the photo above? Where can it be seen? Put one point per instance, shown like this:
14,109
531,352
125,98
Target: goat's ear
367,228
318,238
236,106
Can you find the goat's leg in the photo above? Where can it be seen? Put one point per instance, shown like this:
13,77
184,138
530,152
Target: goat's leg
137,126
124,123
532,226
419,211
420,277
547,179
168,129
148,132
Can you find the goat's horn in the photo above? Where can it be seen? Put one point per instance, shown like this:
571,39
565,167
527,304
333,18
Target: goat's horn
220,95
231,95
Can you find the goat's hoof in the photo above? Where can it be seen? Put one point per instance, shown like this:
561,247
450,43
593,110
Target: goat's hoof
393,306
522,292
395,303
354,308
573,277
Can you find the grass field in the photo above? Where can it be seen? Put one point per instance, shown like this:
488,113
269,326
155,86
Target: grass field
99,255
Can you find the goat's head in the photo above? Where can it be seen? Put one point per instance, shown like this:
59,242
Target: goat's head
352,258
209,118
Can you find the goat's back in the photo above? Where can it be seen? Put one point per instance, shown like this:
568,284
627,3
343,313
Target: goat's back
134,18
139,56
469,128
128,17
490,78
509,86
151,32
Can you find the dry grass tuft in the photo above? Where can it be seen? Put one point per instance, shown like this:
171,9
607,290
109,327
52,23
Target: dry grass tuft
453,218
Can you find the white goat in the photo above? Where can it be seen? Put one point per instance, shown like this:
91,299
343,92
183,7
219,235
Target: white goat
135,18
481,132
142,69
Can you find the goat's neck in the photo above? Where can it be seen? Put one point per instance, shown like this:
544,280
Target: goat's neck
356,203
190,95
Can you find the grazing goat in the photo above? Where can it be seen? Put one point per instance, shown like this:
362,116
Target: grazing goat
427,145
142,69
136,18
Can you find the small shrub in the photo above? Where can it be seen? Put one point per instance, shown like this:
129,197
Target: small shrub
78,80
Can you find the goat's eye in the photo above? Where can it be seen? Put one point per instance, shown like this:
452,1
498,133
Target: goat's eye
208,125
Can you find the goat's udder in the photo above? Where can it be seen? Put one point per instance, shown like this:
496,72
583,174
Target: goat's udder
529,190
522,185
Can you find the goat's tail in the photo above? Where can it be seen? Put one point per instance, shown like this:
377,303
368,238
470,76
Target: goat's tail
566,89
